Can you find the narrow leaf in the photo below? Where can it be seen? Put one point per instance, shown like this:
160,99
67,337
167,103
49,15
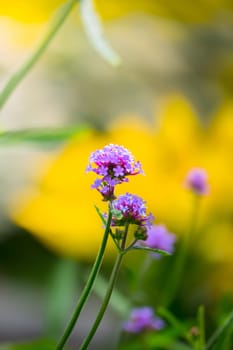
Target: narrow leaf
92,24
100,215
148,249
40,135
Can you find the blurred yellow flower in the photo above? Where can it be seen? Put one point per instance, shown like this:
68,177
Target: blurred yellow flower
22,21
39,10
60,209
28,11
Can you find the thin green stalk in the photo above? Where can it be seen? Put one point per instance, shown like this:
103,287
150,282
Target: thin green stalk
88,286
176,273
36,54
219,331
104,305
109,291
201,327
123,243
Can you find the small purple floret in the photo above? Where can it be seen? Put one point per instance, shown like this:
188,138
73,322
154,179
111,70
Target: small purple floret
158,237
196,180
143,319
118,171
113,164
133,209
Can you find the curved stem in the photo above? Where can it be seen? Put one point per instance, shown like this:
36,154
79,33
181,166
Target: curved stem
25,68
219,331
88,286
100,315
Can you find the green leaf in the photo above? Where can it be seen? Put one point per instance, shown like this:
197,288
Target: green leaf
49,135
93,26
147,249
100,215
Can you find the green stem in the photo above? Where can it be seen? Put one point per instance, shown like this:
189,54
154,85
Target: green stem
104,305
123,243
219,331
201,327
36,54
176,274
88,286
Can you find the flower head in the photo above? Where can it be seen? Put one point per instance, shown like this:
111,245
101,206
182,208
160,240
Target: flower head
113,164
132,209
143,319
196,180
158,237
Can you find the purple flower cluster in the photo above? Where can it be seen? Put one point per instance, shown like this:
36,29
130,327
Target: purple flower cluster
196,181
113,164
143,319
132,209
158,237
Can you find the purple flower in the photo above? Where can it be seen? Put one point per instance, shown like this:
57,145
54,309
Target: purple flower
113,164
158,237
196,180
132,209
143,319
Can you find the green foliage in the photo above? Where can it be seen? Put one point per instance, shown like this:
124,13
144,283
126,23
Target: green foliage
40,135
147,249
100,215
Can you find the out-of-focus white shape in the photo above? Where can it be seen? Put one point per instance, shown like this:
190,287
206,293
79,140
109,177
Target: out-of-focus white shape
94,30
